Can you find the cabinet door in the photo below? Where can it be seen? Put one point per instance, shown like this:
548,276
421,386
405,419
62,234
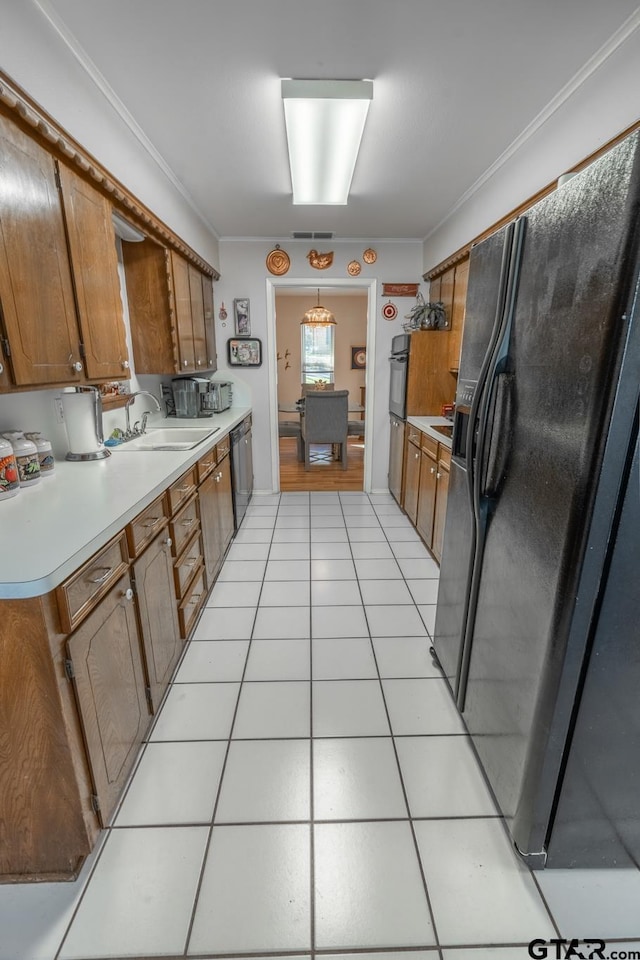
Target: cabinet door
92,245
426,497
149,283
396,459
157,608
411,481
182,306
442,476
210,524
110,690
209,323
197,319
225,503
36,292
457,314
446,293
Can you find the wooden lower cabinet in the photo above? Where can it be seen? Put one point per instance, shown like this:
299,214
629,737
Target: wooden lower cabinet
216,515
105,664
427,495
411,473
156,602
442,481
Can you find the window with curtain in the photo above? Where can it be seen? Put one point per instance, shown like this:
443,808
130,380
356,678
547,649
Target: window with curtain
317,353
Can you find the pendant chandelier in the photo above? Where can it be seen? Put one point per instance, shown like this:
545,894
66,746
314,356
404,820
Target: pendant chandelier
318,316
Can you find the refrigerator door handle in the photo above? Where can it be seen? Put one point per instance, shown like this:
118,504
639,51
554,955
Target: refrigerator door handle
496,362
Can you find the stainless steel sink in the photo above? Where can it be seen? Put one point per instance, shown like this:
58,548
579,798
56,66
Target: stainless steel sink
167,438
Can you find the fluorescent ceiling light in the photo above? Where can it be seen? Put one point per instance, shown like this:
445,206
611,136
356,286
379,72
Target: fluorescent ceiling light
325,120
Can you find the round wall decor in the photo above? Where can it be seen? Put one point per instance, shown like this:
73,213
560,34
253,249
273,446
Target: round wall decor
389,311
278,262
354,268
369,256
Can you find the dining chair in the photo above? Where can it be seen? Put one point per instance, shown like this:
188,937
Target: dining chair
324,420
291,428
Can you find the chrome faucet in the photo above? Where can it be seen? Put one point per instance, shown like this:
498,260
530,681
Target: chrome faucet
137,431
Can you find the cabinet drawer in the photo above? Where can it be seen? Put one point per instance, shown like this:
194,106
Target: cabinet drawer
429,445
183,526
190,606
181,490
206,464
186,566
222,449
78,595
414,435
444,455
146,525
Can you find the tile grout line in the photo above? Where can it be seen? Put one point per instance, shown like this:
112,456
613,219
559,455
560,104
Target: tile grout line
402,783
208,844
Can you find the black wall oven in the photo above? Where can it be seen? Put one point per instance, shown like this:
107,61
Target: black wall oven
398,367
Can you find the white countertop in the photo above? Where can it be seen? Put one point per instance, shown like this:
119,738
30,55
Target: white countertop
51,528
426,423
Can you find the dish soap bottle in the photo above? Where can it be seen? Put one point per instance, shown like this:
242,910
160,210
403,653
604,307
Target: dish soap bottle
26,456
9,483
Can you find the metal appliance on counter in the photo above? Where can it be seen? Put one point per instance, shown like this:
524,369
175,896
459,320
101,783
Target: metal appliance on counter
241,469
538,605
199,397
82,412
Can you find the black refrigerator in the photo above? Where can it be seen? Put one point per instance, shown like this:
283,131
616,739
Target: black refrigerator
538,617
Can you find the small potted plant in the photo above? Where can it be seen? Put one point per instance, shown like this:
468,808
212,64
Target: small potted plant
426,315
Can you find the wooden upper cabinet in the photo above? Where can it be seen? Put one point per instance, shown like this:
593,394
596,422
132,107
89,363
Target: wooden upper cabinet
171,311
40,331
92,247
429,383
183,317
197,319
447,281
209,323
457,314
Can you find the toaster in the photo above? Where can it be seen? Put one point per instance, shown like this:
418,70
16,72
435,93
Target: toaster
218,396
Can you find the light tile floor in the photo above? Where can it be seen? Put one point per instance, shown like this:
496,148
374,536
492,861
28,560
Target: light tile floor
308,784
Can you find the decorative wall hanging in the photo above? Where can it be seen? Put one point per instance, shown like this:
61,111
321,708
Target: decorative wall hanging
320,261
400,289
369,256
278,261
389,311
358,358
242,317
354,268
285,357
223,312
244,352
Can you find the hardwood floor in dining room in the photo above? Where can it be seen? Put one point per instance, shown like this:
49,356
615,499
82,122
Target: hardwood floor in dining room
325,474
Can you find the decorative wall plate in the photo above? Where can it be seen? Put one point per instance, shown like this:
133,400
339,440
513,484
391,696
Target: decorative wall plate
389,311
369,256
278,262
354,268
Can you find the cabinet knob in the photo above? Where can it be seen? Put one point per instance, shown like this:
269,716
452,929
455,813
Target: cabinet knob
125,364
416,456
76,367
199,363
1,368
218,477
433,469
128,594
185,363
168,542
438,475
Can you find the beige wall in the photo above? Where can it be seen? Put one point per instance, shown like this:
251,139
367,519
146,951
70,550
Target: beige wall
351,331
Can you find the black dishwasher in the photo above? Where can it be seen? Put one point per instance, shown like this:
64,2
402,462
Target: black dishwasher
241,469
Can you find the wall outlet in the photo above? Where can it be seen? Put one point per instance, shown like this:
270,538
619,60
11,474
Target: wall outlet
57,402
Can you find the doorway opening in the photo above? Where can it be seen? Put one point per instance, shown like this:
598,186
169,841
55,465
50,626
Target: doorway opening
328,359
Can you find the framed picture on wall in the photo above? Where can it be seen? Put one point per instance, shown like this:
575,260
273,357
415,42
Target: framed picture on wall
242,317
244,352
358,358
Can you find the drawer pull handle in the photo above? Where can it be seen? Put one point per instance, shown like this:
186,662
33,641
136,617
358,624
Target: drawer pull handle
152,522
188,521
105,575
191,560
195,598
185,489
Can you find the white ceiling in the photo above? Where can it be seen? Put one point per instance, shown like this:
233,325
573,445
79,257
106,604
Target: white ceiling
455,83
